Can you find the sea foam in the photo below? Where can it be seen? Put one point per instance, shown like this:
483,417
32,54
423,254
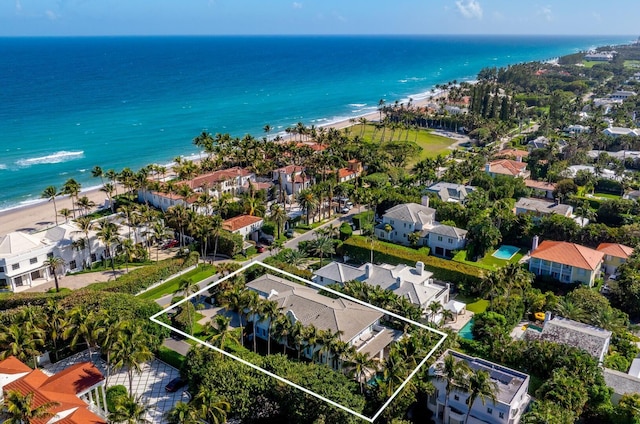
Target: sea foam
57,157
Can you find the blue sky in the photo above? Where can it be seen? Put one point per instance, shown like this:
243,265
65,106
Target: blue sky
154,17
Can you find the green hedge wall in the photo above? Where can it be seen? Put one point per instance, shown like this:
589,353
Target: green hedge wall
358,248
141,278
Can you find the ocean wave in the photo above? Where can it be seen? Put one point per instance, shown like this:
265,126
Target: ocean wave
57,157
357,104
3,166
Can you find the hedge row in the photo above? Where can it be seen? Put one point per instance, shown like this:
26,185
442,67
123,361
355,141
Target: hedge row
359,249
141,278
15,300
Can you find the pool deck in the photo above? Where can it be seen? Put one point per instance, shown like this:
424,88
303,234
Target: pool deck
461,322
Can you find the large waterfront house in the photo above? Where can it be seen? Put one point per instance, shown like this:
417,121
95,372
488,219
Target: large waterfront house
591,339
450,192
232,181
23,255
566,262
538,208
511,401
400,222
616,132
247,226
508,168
359,325
414,283
78,391
615,254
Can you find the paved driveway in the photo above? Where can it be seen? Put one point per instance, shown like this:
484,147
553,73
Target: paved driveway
149,384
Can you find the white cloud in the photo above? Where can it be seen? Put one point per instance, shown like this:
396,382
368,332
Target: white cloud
546,13
297,5
470,9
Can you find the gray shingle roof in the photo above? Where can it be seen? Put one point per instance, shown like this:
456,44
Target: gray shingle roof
411,212
450,191
448,231
620,382
592,339
543,206
310,307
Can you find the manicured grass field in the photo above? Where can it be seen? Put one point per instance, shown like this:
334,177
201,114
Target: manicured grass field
591,63
635,64
607,195
198,274
432,145
478,307
488,262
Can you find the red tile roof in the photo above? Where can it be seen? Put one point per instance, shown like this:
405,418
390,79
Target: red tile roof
13,365
290,169
344,172
213,178
507,167
234,224
615,249
61,388
513,153
566,253
540,185
314,146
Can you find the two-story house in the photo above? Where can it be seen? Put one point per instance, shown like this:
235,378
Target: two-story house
414,283
245,225
507,167
615,254
292,178
511,401
449,192
443,240
359,325
401,220
566,262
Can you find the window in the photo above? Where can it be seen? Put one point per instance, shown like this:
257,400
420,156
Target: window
501,414
15,266
93,257
489,410
439,238
450,241
33,261
50,255
73,265
3,283
456,397
1,269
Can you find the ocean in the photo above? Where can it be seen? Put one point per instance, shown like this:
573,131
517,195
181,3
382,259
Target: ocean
68,104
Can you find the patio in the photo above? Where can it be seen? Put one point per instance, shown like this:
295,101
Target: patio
149,384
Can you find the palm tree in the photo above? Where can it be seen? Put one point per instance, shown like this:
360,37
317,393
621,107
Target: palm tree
480,385
85,225
360,364
54,263
182,413
55,324
220,331
128,248
20,408
131,350
85,204
322,246
235,300
308,201
84,325
216,227
279,216
21,341
108,234
282,329
187,288
454,373
65,213
211,407
72,188
178,216
50,193
130,409
269,311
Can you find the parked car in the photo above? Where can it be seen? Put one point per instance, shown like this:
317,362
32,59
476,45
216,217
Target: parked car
175,384
289,233
345,210
266,239
260,248
170,244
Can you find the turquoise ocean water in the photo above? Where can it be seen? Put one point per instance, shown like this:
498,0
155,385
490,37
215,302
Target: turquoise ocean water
68,104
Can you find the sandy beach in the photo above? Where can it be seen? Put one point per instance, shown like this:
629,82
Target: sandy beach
40,216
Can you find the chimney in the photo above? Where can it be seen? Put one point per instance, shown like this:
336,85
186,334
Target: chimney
420,267
425,200
534,243
518,158
487,167
547,316
398,281
367,270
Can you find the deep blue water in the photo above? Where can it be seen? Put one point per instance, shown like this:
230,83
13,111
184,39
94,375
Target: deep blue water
68,104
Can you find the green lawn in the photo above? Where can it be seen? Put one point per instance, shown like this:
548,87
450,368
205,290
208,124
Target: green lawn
632,64
478,307
203,271
591,63
432,145
488,262
607,195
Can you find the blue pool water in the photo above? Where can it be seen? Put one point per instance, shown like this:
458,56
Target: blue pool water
465,332
506,252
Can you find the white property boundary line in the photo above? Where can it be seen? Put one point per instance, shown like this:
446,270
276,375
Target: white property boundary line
154,318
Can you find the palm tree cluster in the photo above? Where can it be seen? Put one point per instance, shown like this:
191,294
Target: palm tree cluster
460,378
206,406
31,330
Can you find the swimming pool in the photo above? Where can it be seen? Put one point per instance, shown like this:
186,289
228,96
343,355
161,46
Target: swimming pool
465,332
505,252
